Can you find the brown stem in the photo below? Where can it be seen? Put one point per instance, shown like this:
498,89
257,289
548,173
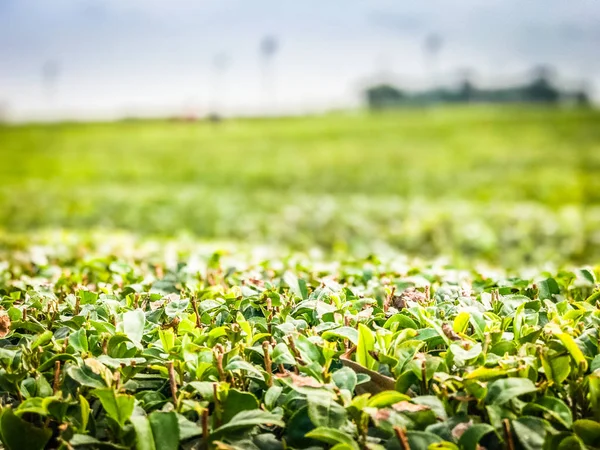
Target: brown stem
205,424
172,382
268,366
401,435
56,383
218,352
77,306
117,378
54,312
388,299
295,351
282,369
105,346
508,435
196,313
24,314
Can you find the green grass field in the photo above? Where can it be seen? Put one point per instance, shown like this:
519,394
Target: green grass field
508,185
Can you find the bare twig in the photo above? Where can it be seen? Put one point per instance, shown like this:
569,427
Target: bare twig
388,299
218,352
508,435
196,313
56,383
173,382
205,424
117,378
268,365
295,351
401,435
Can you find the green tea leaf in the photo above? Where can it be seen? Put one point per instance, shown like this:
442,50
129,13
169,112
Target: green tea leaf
332,436
366,344
236,402
247,419
342,333
553,409
118,406
471,437
132,325
325,412
531,432
345,378
501,391
588,430
19,434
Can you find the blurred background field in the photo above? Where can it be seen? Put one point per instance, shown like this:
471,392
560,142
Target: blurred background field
510,185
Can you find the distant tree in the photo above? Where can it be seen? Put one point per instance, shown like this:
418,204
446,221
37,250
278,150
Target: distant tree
467,90
582,98
541,91
384,96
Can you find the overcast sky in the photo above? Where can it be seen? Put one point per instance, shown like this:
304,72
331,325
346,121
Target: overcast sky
122,56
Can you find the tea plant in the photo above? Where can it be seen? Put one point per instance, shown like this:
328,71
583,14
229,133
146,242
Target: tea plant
134,348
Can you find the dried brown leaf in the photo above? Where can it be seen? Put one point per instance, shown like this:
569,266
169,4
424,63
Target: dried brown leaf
300,381
460,429
406,406
450,333
4,325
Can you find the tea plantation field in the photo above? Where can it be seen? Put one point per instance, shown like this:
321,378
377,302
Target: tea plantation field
417,280
510,185
129,344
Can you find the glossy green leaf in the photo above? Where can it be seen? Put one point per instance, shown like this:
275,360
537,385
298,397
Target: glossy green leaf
531,432
504,390
118,406
237,401
325,412
132,325
553,409
588,430
471,437
247,419
332,436
342,333
19,434
345,378
366,344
